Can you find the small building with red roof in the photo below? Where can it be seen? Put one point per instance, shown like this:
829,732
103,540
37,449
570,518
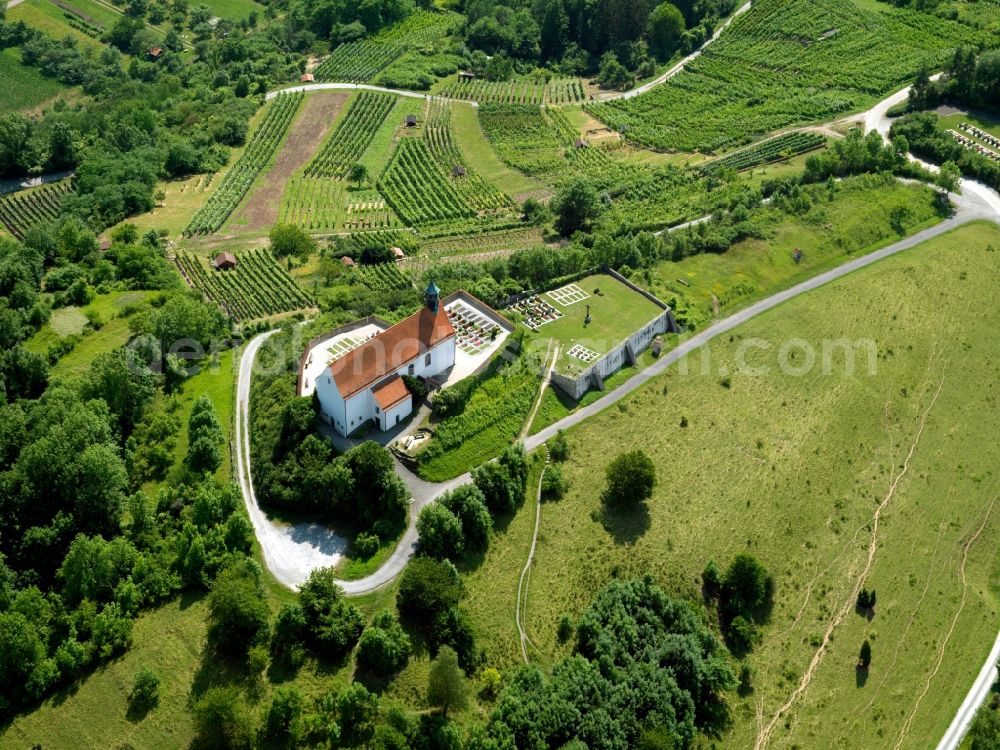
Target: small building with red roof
307,78
366,383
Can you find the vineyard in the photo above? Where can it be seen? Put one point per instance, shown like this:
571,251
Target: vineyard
380,239
766,152
415,187
542,143
359,62
523,91
255,156
352,135
23,210
479,193
256,288
383,277
324,204
781,63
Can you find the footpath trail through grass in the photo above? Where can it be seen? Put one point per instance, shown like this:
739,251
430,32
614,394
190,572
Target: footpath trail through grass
791,466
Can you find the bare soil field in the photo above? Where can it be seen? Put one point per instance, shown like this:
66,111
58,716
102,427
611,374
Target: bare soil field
319,112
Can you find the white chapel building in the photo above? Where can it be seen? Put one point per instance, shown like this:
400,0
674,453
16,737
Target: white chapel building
366,383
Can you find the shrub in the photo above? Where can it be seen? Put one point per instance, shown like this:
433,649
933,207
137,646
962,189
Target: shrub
710,579
366,545
384,646
553,482
559,447
865,655
565,629
145,691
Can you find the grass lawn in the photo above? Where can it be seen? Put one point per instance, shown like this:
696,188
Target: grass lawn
791,467
67,321
24,86
492,583
615,314
51,19
481,156
377,155
94,713
855,222
235,10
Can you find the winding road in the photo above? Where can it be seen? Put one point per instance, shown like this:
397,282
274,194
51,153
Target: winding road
292,551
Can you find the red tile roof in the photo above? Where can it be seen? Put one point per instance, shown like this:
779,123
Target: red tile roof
391,392
390,350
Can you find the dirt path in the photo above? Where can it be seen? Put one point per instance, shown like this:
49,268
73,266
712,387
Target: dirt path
521,605
764,735
307,133
546,379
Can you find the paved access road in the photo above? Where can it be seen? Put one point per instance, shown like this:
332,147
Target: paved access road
292,551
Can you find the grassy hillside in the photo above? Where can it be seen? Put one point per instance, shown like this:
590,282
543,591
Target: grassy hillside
792,469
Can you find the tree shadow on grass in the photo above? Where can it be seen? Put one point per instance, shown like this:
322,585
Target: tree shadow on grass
625,525
139,710
860,676
220,669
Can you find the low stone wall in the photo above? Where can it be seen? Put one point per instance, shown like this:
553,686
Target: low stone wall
619,356
370,320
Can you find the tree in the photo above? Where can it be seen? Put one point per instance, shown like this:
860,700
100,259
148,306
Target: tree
612,74
440,532
985,729
446,686
358,174
428,588
333,625
238,614
222,719
746,588
203,456
288,239
865,655
357,711
949,177
497,487
384,646
665,29
124,384
469,506
575,205
204,437
631,477
282,723
554,29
